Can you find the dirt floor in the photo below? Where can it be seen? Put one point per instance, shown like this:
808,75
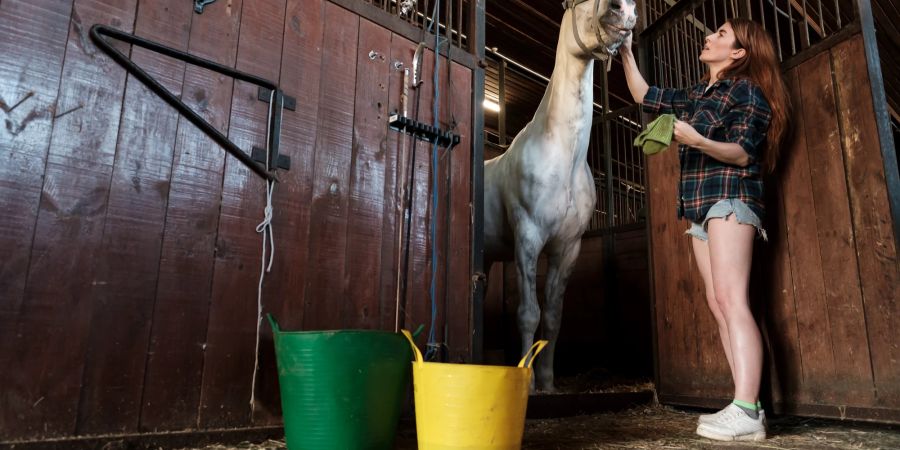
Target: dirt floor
660,427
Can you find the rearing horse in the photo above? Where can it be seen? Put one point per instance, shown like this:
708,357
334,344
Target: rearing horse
539,194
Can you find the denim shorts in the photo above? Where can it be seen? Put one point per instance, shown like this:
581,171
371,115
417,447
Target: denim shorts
721,210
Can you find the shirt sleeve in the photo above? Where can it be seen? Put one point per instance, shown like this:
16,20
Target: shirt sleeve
748,119
667,101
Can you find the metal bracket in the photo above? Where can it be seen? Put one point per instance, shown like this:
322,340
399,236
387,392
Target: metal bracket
199,4
263,95
423,131
275,109
281,161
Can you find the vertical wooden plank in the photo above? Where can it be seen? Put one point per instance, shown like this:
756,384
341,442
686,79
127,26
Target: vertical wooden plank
418,300
876,250
301,76
284,286
459,284
180,315
367,178
55,318
396,164
853,382
328,226
662,175
817,358
231,335
34,31
128,261
780,315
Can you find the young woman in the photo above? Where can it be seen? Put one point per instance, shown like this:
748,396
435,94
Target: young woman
730,127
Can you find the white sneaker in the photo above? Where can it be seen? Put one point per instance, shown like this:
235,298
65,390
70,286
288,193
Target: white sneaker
709,418
733,424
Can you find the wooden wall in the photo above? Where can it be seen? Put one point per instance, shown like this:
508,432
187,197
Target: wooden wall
825,289
130,261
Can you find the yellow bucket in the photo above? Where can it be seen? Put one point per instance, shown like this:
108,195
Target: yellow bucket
468,406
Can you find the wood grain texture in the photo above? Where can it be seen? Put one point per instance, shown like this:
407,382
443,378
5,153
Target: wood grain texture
177,345
876,249
231,335
362,256
34,31
303,79
845,320
325,287
129,258
56,315
285,285
779,312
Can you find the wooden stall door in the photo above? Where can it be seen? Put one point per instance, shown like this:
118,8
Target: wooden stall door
129,256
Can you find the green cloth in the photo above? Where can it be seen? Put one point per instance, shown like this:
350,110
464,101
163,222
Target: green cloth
658,134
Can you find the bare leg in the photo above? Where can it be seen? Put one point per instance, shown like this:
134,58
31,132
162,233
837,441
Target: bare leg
701,254
730,257
561,262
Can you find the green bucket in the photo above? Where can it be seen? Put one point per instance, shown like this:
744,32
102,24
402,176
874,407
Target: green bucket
341,389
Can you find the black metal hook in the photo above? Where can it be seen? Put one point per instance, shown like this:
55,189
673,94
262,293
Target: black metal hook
267,172
199,4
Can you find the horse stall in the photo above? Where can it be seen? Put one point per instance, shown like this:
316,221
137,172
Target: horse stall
132,279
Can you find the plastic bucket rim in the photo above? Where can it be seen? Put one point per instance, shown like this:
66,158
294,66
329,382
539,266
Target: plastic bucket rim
467,366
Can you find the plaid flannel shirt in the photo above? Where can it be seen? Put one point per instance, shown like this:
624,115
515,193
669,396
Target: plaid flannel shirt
729,111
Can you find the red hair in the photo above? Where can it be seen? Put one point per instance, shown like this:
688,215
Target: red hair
761,66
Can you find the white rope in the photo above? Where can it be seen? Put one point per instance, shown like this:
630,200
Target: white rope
264,227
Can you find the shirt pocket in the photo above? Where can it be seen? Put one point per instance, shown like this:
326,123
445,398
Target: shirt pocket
707,123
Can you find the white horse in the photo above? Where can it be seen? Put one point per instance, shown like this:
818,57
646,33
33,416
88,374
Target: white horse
539,194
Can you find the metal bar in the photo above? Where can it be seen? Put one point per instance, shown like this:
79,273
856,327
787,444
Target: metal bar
501,100
807,53
408,28
837,13
476,30
673,14
777,29
791,22
97,31
804,32
824,31
715,15
882,118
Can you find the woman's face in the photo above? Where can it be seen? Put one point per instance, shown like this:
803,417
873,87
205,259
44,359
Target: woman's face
719,48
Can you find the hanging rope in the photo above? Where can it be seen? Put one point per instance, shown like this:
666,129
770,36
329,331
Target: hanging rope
264,227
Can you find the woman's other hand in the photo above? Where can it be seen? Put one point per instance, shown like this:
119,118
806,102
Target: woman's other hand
686,134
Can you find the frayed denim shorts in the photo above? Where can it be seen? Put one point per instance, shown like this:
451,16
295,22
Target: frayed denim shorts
721,210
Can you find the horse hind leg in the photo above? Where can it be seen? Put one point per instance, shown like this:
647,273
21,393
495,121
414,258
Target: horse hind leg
559,268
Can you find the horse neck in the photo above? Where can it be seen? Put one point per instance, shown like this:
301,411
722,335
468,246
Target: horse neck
566,110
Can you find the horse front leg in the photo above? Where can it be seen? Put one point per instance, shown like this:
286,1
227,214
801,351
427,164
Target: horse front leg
528,248
561,262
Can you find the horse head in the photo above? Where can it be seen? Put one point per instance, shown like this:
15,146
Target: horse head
599,27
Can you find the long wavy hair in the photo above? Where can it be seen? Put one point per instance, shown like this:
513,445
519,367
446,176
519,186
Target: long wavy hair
761,66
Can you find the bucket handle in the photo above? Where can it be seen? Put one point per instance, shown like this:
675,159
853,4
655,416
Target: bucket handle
419,360
539,345
273,323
